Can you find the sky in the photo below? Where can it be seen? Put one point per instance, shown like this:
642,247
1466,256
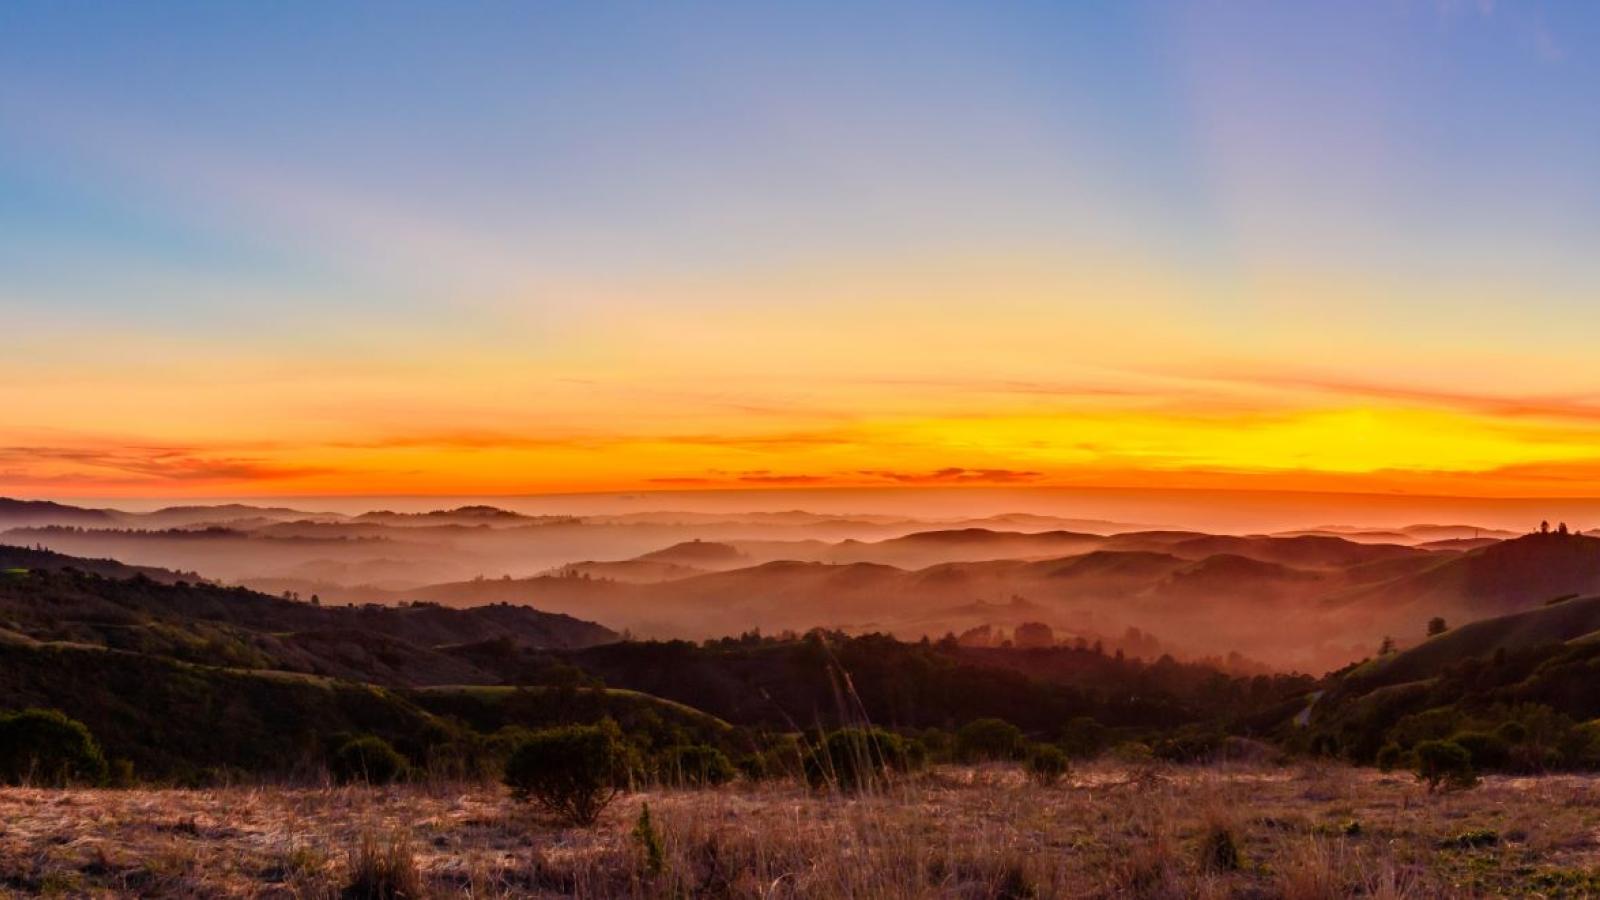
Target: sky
306,249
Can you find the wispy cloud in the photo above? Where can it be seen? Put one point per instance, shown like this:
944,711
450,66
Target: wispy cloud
151,463
954,475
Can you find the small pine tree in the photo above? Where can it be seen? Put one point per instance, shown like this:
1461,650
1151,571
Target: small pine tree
1436,625
649,840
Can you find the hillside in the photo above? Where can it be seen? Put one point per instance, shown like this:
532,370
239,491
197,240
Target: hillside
235,627
1569,620
1503,577
14,559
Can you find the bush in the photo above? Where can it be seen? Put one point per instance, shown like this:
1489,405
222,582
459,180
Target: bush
1444,764
1132,753
368,760
43,746
1047,764
1512,732
1192,747
938,744
574,771
988,739
856,758
1488,751
694,765
1392,756
1084,738
1219,851
781,759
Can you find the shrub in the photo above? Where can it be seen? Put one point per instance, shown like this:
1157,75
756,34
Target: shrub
368,760
1512,732
1219,851
1488,751
1190,748
781,759
988,739
43,746
1444,764
694,765
1392,756
1047,764
1132,753
1084,738
856,758
938,744
573,771
1472,838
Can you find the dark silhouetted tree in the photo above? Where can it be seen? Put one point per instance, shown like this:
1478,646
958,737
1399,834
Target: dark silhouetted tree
1436,625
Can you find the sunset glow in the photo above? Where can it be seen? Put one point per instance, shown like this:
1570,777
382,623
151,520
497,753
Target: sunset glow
1289,246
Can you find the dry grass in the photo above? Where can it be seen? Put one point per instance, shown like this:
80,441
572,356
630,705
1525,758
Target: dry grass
1107,831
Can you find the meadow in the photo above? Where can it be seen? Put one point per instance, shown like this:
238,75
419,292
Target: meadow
1297,831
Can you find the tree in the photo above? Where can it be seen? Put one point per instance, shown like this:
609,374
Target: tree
1436,625
1387,647
1544,527
574,771
1034,634
1562,528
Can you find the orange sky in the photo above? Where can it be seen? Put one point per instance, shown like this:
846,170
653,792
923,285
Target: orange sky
1308,246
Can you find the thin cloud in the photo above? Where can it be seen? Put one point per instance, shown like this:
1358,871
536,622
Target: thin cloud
1572,407
955,475
175,464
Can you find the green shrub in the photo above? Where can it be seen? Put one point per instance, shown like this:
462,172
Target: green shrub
781,759
1512,732
1444,764
1132,753
1047,764
43,746
856,758
573,771
1488,751
1190,748
694,765
1084,738
1392,756
650,842
1472,838
1219,850
368,760
982,740
937,743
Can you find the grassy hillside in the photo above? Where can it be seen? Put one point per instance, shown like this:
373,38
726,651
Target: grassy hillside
1564,621
235,627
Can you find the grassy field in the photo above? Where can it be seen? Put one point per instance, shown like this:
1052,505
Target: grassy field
1110,831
